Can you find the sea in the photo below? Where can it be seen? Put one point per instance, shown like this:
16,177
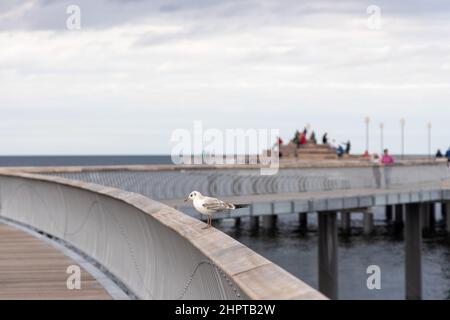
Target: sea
295,249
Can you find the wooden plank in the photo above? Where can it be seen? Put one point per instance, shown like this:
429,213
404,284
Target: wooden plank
33,269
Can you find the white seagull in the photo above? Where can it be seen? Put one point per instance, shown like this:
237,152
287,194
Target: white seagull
209,206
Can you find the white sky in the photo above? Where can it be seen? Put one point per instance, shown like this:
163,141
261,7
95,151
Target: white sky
138,70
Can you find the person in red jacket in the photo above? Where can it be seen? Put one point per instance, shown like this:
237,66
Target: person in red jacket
303,139
280,141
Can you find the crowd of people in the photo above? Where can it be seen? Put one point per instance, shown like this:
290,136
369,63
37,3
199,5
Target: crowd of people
344,148
440,155
301,138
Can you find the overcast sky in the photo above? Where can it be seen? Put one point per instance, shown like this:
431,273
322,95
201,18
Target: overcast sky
138,70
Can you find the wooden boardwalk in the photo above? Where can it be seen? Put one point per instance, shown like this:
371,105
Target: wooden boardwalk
33,269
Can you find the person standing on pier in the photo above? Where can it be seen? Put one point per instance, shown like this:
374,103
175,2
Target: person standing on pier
387,159
439,154
348,147
325,138
447,155
375,158
303,140
296,139
340,151
313,138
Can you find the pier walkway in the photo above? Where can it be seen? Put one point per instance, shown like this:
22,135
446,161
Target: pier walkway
30,268
324,201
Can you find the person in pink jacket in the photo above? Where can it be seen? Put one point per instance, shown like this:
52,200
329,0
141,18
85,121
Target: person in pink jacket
387,158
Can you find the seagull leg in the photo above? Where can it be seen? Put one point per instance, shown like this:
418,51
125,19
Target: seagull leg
207,224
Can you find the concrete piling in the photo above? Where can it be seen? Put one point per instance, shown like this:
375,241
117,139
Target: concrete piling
413,251
368,222
399,210
328,257
447,216
346,222
389,213
268,221
432,216
425,217
303,220
444,211
254,222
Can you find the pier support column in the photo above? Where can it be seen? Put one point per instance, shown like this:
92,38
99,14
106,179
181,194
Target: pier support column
446,205
268,221
328,257
425,216
389,213
444,211
237,222
399,210
254,222
367,222
432,216
413,251
303,220
346,222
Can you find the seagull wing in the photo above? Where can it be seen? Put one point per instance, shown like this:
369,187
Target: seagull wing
216,204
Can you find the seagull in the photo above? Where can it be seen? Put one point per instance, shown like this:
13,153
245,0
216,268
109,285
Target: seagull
208,206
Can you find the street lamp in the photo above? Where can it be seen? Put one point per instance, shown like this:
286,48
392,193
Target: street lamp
382,137
429,126
367,121
402,122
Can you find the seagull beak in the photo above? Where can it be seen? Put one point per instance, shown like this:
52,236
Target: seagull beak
186,200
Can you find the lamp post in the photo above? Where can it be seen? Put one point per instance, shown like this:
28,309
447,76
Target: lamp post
382,137
402,123
429,126
367,121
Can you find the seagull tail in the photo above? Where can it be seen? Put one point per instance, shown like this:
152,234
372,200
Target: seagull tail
240,206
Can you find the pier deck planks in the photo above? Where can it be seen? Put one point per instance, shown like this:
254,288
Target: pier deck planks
33,269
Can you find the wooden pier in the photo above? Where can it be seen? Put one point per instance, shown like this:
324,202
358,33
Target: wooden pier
32,269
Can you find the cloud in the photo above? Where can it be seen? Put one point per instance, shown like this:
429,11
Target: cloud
143,68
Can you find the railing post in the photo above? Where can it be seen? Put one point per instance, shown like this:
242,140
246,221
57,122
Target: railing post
328,257
413,251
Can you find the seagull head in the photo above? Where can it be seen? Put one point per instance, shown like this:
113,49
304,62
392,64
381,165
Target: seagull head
192,196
